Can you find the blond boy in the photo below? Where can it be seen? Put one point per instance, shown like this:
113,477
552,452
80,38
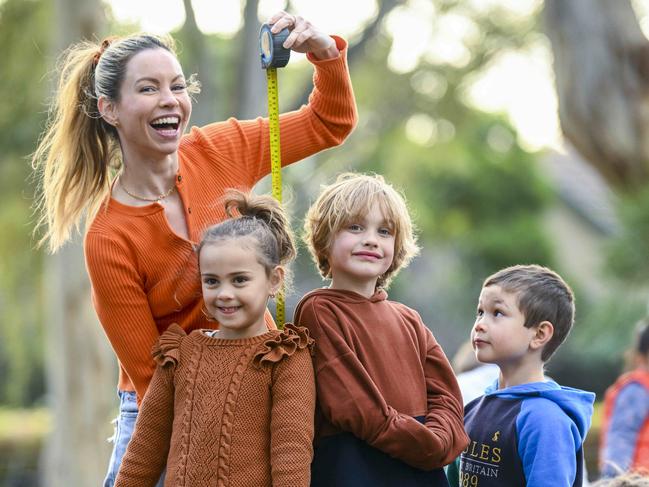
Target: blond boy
389,408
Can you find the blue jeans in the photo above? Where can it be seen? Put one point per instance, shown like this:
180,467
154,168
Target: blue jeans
124,426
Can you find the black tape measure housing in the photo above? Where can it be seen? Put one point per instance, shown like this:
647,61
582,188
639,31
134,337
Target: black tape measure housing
273,54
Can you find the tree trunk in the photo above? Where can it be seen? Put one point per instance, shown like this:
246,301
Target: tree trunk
197,59
250,88
601,64
81,369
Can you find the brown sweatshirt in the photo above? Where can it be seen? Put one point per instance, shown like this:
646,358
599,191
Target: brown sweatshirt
377,369
225,412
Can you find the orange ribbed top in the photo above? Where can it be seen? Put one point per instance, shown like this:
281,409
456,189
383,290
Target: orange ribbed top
145,277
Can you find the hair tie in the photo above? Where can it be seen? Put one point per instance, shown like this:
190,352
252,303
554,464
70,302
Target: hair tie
104,45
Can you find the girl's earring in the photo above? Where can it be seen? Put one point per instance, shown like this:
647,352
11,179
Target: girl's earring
272,295
207,315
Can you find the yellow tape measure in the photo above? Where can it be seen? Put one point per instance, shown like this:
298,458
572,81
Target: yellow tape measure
275,168
273,126
273,56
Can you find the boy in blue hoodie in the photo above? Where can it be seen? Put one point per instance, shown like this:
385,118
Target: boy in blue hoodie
526,429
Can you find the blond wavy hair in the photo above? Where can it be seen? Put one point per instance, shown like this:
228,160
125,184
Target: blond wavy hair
350,196
79,152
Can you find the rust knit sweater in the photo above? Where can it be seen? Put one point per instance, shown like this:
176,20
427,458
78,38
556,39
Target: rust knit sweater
378,368
225,412
144,277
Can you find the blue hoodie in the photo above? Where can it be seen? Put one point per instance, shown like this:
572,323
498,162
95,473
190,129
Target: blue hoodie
529,434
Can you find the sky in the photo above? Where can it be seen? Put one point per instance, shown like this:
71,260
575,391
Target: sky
519,84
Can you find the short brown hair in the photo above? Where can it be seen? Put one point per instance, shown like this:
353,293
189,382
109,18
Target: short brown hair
542,296
350,196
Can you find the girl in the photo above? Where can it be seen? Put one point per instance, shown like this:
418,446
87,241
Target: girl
125,105
234,406
389,409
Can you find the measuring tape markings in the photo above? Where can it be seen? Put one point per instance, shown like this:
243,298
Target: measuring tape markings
273,56
275,169
273,129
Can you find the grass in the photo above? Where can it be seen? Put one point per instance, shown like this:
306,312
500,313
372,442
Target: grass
24,425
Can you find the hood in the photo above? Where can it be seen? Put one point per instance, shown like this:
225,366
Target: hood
347,296
577,404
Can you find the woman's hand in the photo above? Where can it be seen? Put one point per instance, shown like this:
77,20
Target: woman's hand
304,36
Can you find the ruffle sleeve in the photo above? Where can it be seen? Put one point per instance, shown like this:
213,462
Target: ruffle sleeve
167,350
284,344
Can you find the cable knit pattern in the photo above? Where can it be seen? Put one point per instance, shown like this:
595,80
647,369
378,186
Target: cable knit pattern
194,362
285,344
227,423
228,412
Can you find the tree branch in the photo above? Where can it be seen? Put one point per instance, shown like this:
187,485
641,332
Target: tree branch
355,50
602,79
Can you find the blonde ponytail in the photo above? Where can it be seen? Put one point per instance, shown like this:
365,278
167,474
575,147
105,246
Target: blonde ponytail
74,157
74,153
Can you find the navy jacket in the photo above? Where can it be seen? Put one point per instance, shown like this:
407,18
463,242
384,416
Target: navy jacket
526,435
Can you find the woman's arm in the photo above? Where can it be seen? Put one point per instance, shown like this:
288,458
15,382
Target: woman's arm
326,121
291,427
122,307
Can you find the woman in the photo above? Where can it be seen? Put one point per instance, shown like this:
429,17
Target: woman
115,152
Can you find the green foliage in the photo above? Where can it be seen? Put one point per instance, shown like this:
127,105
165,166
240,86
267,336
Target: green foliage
24,37
607,323
593,355
488,203
470,184
482,207
627,253
476,196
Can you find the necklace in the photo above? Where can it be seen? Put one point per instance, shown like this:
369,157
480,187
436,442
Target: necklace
150,200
